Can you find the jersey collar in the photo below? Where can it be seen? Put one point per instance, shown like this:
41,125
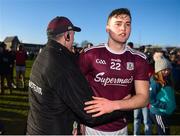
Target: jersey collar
115,52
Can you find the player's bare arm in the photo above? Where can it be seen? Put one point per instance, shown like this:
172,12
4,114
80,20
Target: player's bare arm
100,106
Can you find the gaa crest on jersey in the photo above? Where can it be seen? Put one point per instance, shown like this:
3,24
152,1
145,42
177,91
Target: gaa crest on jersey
130,66
100,61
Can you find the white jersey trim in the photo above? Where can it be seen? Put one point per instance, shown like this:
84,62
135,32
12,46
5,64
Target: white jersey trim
132,51
135,52
94,47
114,52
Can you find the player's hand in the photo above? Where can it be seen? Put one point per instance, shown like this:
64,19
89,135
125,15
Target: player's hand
99,106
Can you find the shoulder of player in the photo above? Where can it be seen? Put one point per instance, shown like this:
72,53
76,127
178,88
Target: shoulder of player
136,53
94,48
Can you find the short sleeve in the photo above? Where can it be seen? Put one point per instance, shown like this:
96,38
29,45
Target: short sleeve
141,68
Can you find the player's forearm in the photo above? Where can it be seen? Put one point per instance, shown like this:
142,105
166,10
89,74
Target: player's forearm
137,101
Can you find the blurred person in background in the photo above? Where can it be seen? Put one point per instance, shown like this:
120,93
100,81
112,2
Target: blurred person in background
88,45
130,44
162,98
175,67
143,114
1,70
21,57
157,54
12,56
173,57
5,69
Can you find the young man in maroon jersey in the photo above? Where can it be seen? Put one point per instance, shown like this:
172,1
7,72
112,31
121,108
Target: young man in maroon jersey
115,72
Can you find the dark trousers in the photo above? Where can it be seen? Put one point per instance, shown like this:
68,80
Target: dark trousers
8,78
162,123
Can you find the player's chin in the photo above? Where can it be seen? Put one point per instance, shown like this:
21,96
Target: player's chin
122,40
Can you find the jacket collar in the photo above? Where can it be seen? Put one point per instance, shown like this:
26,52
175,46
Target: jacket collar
55,44
60,47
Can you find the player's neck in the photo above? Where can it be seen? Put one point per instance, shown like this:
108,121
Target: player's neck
115,46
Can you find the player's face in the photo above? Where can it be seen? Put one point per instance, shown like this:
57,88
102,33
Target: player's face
119,28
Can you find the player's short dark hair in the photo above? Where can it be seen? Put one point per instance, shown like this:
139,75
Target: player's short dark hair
118,12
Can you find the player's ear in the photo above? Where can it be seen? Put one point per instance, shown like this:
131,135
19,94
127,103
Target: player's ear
107,28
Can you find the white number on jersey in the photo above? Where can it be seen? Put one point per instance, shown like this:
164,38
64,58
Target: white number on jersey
115,66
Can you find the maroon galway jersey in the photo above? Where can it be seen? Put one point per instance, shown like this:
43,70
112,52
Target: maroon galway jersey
111,75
